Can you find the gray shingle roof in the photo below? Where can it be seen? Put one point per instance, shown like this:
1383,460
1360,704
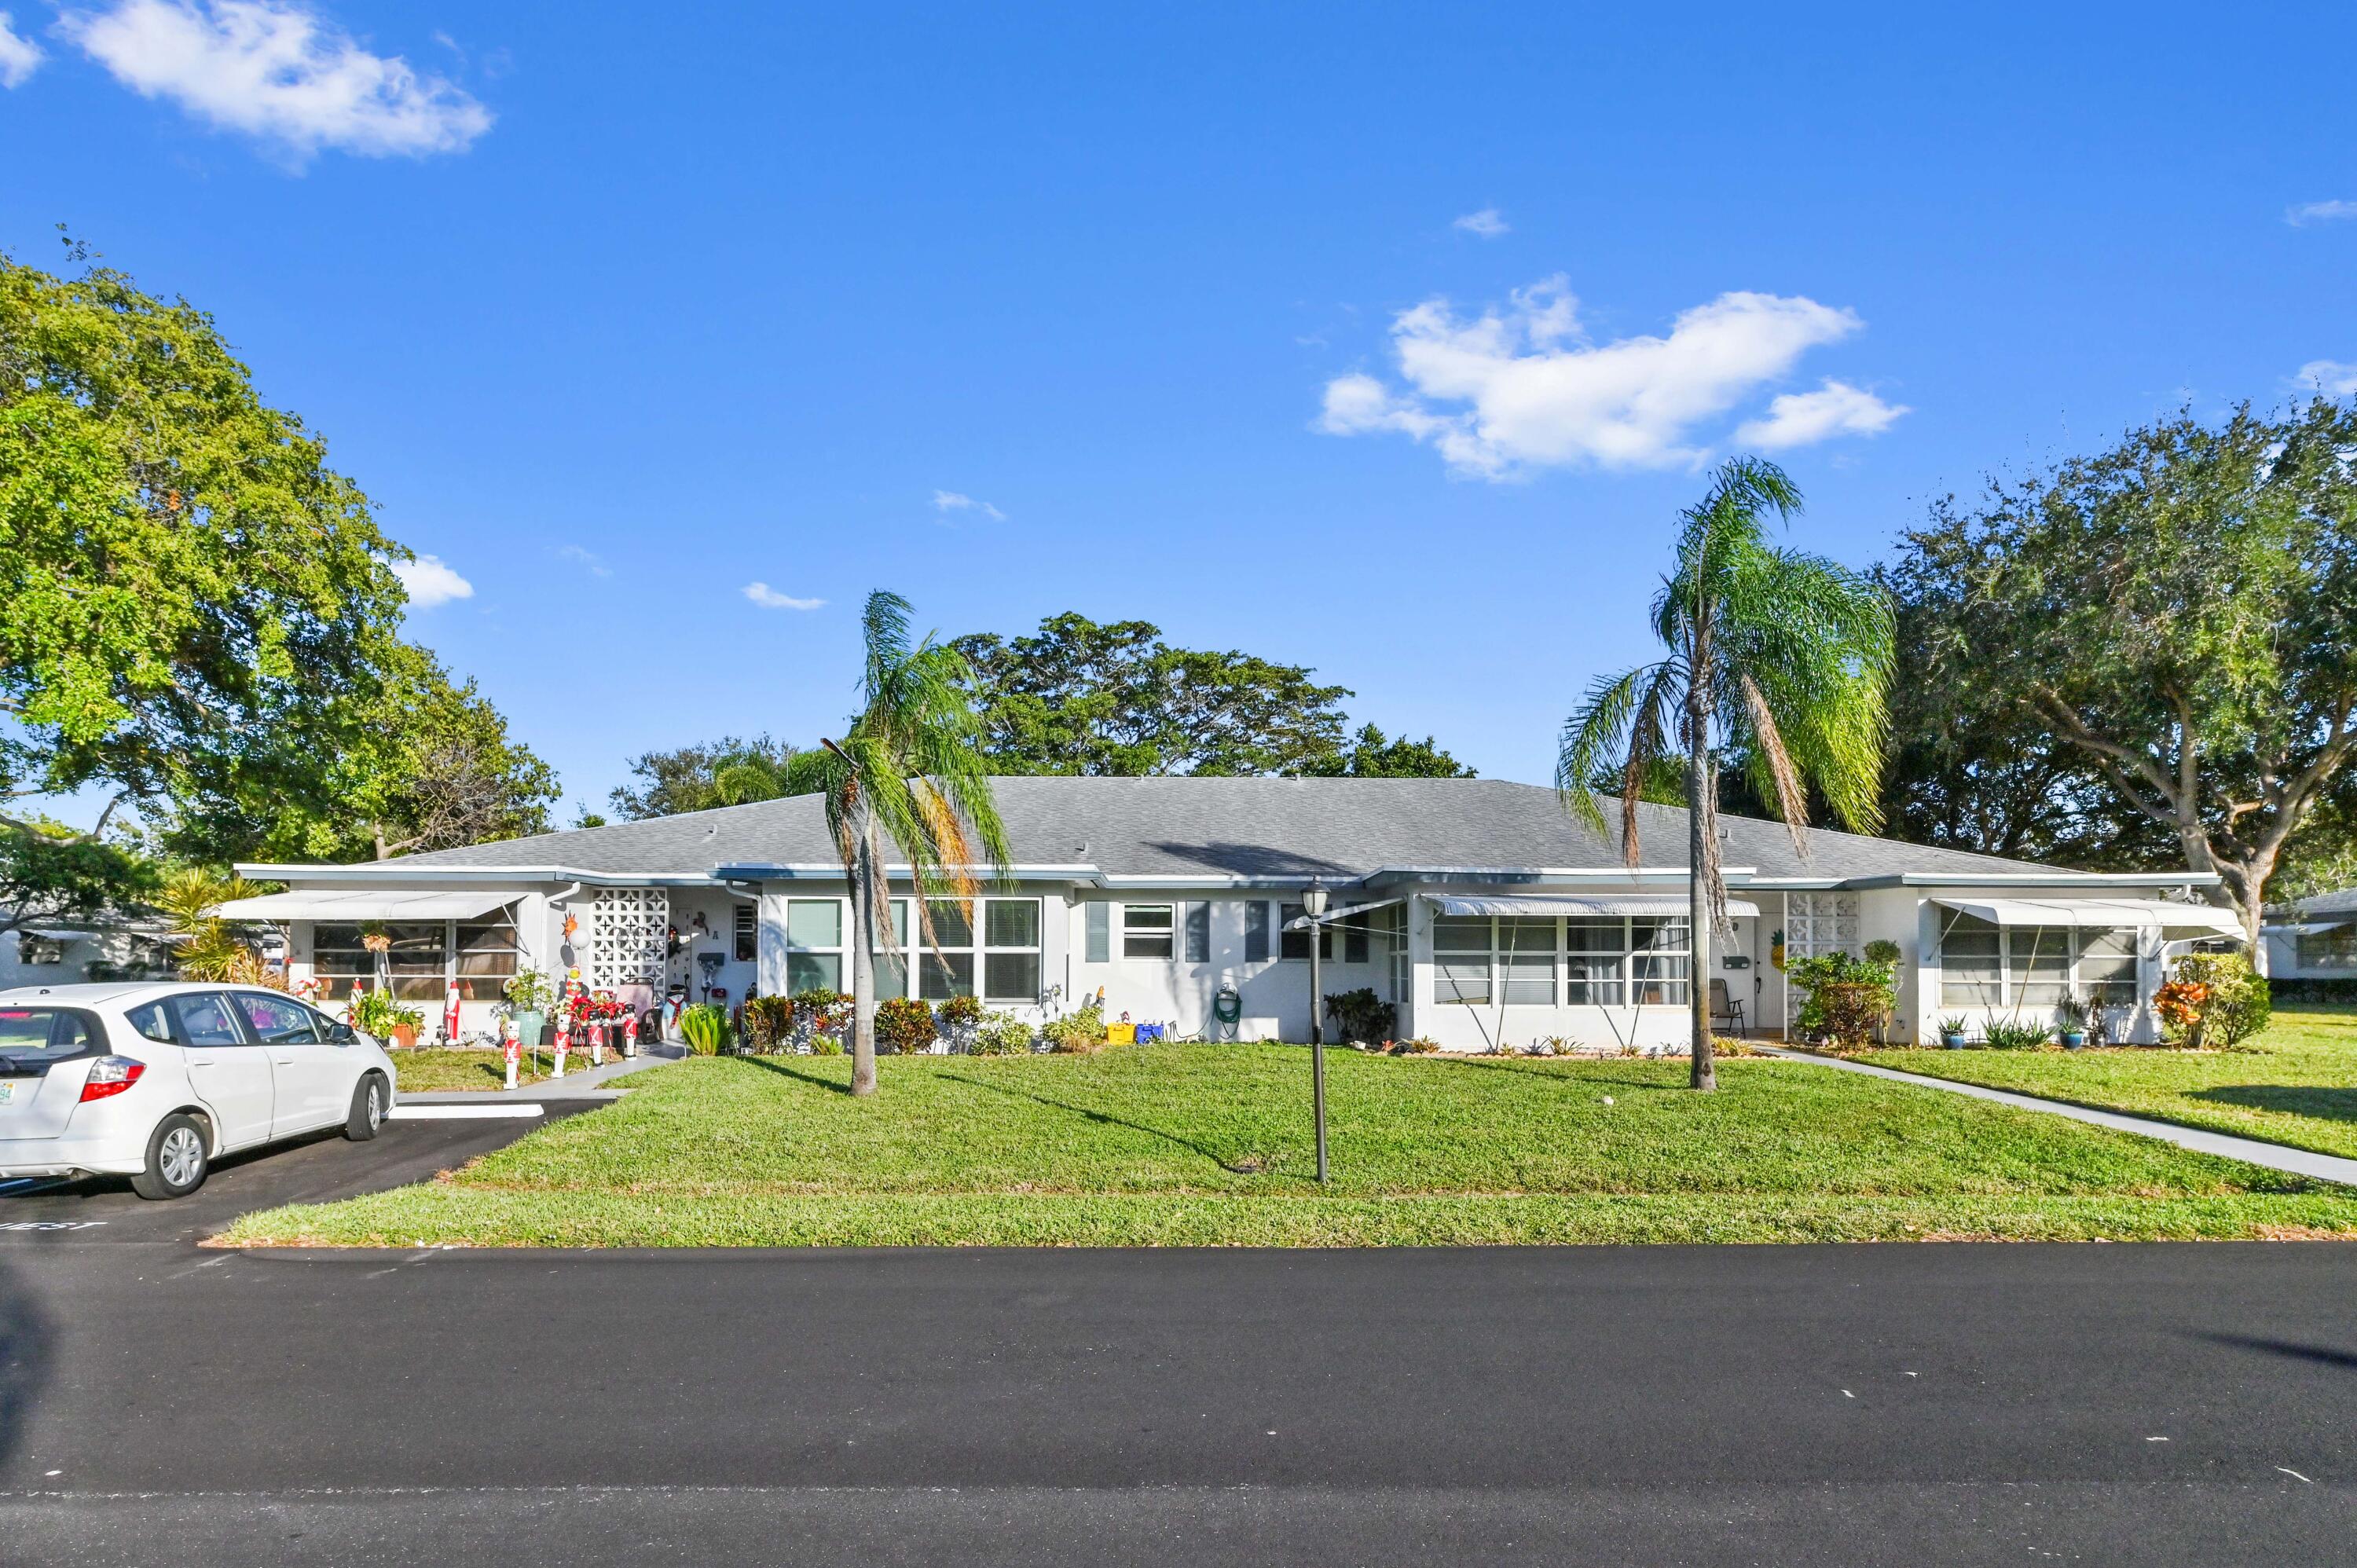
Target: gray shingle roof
1248,827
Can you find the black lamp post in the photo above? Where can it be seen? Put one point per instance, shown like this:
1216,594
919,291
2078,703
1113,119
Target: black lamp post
1313,906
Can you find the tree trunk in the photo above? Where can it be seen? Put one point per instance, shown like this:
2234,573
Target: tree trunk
862,969
1700,847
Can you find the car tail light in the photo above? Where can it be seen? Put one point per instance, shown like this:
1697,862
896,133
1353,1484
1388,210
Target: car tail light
110,1075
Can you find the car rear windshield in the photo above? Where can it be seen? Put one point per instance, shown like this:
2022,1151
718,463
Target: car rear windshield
36,1037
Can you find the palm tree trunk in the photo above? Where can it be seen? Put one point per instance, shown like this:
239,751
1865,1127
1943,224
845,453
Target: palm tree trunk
863,968
1700,848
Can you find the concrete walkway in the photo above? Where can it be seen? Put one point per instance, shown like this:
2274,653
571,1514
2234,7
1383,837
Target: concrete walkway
2252,1150
581,1082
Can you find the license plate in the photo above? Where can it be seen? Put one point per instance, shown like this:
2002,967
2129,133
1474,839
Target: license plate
7,1093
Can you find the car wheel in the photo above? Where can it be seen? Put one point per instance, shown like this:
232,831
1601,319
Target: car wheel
177,1160
368,1108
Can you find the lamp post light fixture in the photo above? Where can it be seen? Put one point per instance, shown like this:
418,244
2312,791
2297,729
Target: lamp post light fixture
1313,906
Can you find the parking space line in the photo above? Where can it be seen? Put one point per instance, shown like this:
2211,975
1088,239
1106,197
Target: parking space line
461,1112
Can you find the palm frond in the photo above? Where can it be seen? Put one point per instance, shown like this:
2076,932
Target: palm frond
1590,740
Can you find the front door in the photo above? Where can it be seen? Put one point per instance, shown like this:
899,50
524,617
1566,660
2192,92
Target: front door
312,1077
229,1071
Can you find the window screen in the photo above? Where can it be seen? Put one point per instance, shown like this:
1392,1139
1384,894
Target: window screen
1460,959
1199,933
1257,931
1100,948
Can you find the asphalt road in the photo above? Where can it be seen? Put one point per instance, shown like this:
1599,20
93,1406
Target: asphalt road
1904,1405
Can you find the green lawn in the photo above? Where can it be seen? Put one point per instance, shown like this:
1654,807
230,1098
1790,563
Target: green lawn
2296,1083
434,1067
1209,1145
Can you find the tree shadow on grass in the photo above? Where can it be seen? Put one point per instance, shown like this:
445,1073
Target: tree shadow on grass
1527,1068
2325,1105
779,1065
1106,1119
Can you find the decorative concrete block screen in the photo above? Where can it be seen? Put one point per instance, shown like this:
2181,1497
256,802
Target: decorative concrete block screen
627,927
1816,924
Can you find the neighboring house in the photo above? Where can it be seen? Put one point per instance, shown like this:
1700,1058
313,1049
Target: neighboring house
2316,938
63,952
1479,907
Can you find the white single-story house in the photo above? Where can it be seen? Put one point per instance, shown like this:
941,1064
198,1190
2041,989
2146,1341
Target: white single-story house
1481,909
2316,940
66,952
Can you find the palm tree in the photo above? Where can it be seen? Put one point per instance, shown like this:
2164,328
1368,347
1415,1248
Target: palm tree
910,770
1782,658
207,949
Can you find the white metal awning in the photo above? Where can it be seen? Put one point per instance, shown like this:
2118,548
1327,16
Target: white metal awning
1624,904
2145,913
367,905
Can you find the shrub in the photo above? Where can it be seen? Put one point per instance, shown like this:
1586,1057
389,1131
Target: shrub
903,1024
1361,1014
769,1023
1843,999
2011,1037
959,1018
706,1029
1002,1034
818,1011
825,1045
1076,1033
1882,950
2236,1004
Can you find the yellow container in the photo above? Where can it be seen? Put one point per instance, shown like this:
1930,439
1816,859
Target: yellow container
1121,1034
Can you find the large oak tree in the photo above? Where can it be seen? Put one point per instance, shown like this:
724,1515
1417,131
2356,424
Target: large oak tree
2151,649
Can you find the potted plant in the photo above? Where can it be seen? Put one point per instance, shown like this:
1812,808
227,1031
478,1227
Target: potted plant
376,1014
1952,1033
528,994
2071,1019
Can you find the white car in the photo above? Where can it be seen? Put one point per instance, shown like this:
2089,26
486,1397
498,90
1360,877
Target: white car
157,1081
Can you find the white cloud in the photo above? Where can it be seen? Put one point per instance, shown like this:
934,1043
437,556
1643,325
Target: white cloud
2334,377
1803,419
589,561
1485,224
768,598
274,69
18,55
950,500
430,581
1525,388
2319,212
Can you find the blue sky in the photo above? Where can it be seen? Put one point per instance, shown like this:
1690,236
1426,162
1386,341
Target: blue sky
618,311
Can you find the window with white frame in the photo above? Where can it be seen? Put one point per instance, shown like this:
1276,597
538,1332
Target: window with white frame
1523,961
1004,953
1147,931
1984,965
2332,948
1010,950
1295,943
814,945
1461,954
1527,960
1596,960
1661,961
421,957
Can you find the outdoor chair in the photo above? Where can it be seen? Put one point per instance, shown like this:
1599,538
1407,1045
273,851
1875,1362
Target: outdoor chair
1724,1007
